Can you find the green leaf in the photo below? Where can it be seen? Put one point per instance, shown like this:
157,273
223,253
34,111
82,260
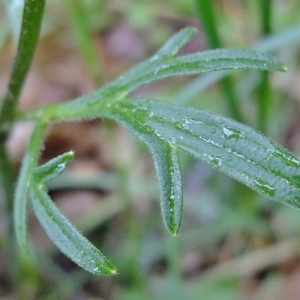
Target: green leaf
279,40
168,171
160,134
21,193
131,80
160,66
65,236
53,168
228,146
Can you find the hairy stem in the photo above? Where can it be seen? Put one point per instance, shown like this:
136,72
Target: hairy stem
29,35
7,179
31,23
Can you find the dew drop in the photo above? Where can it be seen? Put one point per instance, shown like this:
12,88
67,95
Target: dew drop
265,187
173,142
185,123
215,160
231,133
269,154
287,158
61,167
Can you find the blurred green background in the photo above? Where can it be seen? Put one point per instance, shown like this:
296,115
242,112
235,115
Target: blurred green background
234,244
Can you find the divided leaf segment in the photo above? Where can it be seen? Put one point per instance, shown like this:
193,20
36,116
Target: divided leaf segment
228,146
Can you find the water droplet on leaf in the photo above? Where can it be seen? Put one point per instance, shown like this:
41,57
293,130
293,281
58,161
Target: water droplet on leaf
265,187
231,133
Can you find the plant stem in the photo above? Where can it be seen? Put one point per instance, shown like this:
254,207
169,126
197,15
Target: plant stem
31,23
29,35
7,179
264,90
206,16
265,14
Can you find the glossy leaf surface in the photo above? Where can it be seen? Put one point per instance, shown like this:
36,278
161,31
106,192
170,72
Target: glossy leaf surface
228,146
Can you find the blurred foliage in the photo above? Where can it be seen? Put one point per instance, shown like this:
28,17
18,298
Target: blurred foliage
223,221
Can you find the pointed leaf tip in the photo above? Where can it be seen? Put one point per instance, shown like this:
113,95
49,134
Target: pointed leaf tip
226,145
169,175
176,42
113,271
65,236
53,168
